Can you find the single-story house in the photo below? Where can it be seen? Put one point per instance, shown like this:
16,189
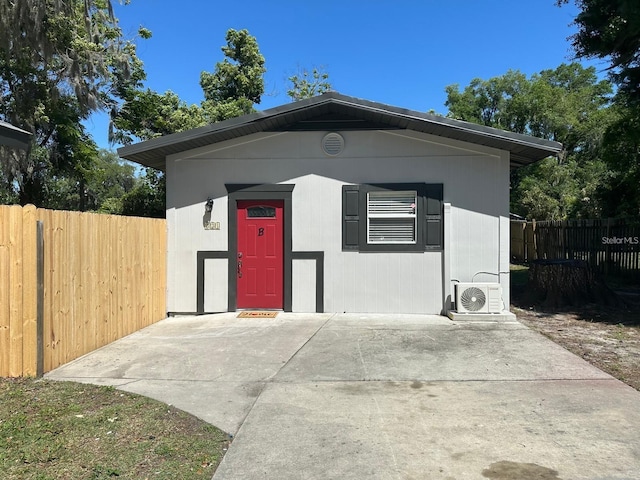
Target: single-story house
12,136
337,204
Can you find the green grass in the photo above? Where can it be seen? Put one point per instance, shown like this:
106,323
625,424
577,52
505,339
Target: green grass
64,430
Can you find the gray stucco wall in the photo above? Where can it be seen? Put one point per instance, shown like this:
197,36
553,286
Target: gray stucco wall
476,184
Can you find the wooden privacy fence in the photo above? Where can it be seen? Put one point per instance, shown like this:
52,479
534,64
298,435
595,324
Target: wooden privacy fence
523,247
72,282
610,246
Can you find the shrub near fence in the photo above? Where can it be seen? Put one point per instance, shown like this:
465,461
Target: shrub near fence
610,246
101,277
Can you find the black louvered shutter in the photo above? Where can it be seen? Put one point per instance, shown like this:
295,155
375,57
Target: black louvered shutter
433,216
350,217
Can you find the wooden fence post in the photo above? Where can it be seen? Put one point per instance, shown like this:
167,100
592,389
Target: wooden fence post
517,230
16,286
40,295
29,291
5,302
536,253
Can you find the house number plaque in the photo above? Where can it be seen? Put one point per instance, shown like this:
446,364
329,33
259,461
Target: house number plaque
212,226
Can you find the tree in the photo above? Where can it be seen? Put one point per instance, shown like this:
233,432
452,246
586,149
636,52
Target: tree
611,29
231,90
101,188
567,104
560,104
79,38
621,152
305,84
59,61
497,102
147,114
147,198
237,82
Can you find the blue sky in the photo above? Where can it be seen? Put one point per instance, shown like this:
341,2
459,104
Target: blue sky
402,53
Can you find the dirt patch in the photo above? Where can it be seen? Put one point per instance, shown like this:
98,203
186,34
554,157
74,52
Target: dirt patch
606,337
512,471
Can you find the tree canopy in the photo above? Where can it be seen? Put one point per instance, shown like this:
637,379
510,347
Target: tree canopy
236,83
100,188
307,84
567,104
610,29
59,62
231,90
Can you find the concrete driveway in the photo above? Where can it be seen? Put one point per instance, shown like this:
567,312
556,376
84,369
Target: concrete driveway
345,396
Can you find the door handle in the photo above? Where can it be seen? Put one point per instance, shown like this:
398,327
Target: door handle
239,268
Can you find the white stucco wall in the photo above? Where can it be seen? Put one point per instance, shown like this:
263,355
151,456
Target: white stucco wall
476,184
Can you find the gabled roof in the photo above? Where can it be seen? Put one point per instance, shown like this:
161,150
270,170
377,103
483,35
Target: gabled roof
333,111
13,136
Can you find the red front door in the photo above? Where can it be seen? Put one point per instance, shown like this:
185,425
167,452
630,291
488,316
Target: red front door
260,255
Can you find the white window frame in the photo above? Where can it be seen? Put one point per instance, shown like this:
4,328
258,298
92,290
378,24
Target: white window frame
411,213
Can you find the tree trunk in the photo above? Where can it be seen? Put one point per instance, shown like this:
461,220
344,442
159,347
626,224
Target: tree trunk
559,283
31,191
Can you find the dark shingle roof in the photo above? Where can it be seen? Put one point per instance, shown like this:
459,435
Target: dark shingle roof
333,111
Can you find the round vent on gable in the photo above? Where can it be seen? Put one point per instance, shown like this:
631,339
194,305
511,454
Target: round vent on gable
332,144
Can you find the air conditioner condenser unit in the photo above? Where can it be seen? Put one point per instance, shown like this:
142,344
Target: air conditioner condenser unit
478,298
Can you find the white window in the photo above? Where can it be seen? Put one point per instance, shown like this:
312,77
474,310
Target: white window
391,217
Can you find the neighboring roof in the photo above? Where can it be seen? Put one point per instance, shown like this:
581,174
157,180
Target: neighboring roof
13,136
333,111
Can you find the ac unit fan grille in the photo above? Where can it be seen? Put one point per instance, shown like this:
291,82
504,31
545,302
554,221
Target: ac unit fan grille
473,299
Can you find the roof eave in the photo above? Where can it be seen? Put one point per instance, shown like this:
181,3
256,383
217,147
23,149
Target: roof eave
13,136
529,149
